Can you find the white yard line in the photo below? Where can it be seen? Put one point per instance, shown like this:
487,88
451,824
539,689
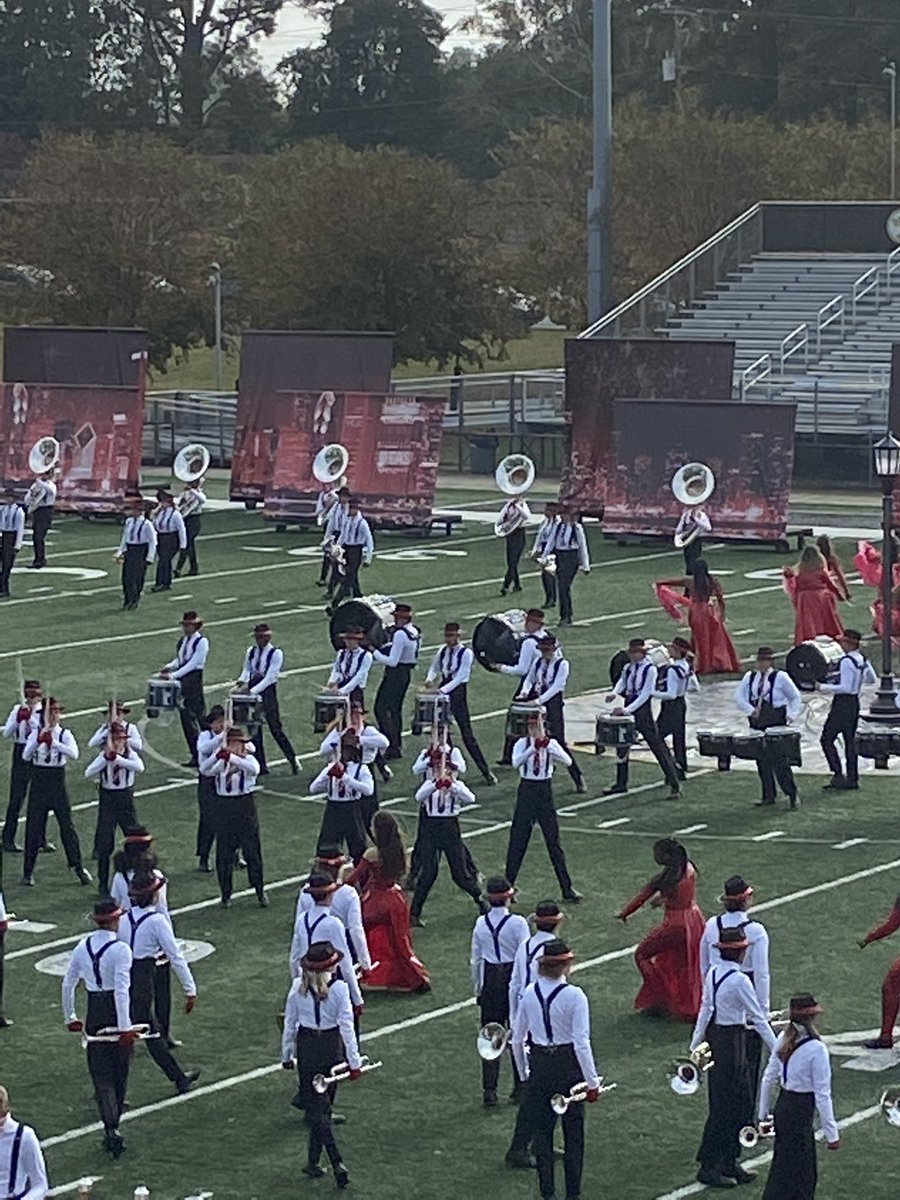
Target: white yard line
611,824
770,836
691,829
850,842
719,837
568,809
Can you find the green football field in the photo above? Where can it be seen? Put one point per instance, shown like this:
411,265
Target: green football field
417,1128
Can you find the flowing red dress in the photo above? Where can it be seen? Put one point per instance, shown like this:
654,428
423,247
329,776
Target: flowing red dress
714,652
385,915
867,561
669,956
814,597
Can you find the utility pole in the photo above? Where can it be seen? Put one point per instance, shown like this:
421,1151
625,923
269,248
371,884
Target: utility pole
215,282
891,71
599,207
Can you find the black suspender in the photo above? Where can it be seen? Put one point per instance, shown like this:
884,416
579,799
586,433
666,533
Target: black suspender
495,933
136,924
316,923
95,958
14,1162
784,1065
530,955
717,983
545,1008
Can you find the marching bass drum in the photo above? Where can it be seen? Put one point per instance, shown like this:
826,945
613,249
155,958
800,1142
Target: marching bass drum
657,653
496,639
371,614
813,662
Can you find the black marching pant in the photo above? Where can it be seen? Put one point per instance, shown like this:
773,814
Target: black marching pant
566,570
189,553
326,568
548,581
368,805
647,728
116,808
770,766
843,718
19,778
671,723
515,545
556,724
272,714
46,795
238,829
193,709
437,836
7,558
534,806
493,1005
2,956
342,821
754,1044
553,1069
166,549
459,710
348,583
162,996
41,520
728,1086
208,807
793,1174
692,551
318,1051
143,992
134,571
389,705
415,859
107,1062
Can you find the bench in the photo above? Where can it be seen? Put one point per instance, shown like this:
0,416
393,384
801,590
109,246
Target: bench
445,522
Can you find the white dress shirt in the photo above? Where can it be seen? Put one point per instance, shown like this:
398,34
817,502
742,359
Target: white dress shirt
12,520
569,1018
18,731
41,494
515,509
775,687
636,684
756,957
404,647
729,999
334,1012
542,539
528,652
350,669
191,501
525,967
422,765
31,1175
61,750
100,970
807,1070
208,746
545,679
571,537
119,891
693,518
320,924
355,782
496,937
855,670
234,776
371,742
170,520
443,802
148,931
138,531
335,520
3,913
355,531
532,763
132,733
452,665
262,666
345,905
326,500
677,680
191,655
117,774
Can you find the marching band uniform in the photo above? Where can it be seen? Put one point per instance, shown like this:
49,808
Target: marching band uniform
427,765
441,800
262,666
452,666
191,653
398,661
210,740
890,988
770,699
515,513
319,924
673,682
350,671
103,963
843,716
542,548
636,686
325,502
115,773
372,744
12,534
17,728
237,822
49,748
39,501
345,905
171,537
529,650
190,505
355,537
569,545
333,524
132,733
692,518
137,550
344,783
4,926
546,684
534,757
496,937
21,1158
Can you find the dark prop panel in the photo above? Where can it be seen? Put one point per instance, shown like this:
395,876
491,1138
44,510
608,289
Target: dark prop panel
99,431
828,228
750,448
56,354
273,362
599,370
394,443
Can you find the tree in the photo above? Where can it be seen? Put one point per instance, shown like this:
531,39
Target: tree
123,231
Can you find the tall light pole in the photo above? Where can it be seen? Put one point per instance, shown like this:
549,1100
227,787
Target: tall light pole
887,468
599,206
891,71
215,282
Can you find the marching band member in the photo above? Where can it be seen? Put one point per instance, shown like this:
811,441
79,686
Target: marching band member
5,1022
115,770
39,501
148,931
770,699
428,765
350,671
210,739
171,537
49,748
441,799
317,923
569,545
372,743
551,1045
802,1062
325,502
692,517
12,534
21,1157
262,666
190,505
102,962
319,1034
191,653
890,988
843,716
355,538
528,652
728,1006
345,904
668,957
398,662
137,550
514,516
116,713
636,686
451,669
496,937
533,757
542,548
17,728
333,524
673,682
546,684
235,770
345,781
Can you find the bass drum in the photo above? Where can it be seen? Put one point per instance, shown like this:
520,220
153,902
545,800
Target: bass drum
657,652
370,614
496,639
812,662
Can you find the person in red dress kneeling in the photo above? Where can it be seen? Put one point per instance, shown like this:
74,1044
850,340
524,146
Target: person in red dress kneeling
814,595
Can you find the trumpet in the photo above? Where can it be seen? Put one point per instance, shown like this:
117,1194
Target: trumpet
686,1074
109,1034
337,1074
492,1041
578,1092
751,1134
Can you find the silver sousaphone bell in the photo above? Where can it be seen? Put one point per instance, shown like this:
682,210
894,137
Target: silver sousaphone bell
686,1074
889,1104
191,462
492,1040
44,455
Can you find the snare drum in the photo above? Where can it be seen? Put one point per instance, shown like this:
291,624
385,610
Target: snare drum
614,731
712,744
781,742
246,709
748,745
327,707
517,718
432,710
163,695
878,744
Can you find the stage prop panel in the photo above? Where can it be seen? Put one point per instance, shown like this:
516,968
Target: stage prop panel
600,370
59,354
749,447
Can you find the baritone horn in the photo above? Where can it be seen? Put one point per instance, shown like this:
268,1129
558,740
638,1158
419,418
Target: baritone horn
191,462
330,464
692,485
492,1040
686,1074
751,1134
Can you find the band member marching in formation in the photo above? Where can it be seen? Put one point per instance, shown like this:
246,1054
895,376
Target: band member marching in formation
12,534
534,757
496,938
137,550
103,964
18,728
116,714
325,502
351,666
210,739
345,904
262,666
171,537
345,781
441,799
39,501
636,686
545,683
190,506
514,516
319,1035
673,682
235,770
355,539
728,1006
569,546
191,653
398,662
428,764
317,923
333,524
372,744
551,1045
770,699
115,769
693,520
49,749
528,652
543,548
890,988
855,670
451,669
21,1158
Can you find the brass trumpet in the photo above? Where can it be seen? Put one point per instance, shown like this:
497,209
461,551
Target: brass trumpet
337,1074
686,1074
578,1092
751,1134
492,1040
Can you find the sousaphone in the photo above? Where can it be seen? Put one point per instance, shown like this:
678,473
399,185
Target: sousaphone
330,464
44,455
692,485
191,462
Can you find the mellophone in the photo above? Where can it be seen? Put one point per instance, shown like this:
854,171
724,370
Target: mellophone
329,707
337,1074
578,1092
779,742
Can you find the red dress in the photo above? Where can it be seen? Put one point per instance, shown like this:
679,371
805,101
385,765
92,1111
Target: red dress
714,652
385,915
814,597
669,956
867,561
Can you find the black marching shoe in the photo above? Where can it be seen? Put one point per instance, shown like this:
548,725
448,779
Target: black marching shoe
5,1022
83,875
173,1043
580,788
114,1144
740,1175
203,865
572,897
341,1176
794,802
521,1159
490,779
262,899
28,881
715,1179
187,1078
295,765
313,1171
617,789
48,848
764,804
675,792
416,921
489,1099
11,848
835,784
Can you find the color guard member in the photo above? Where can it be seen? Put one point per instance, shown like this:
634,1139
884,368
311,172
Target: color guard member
770,699
673,682
355,538
855,670
136,552
372,744
451,669
345,904
545,683
569,545
235,770
350,671
319,924
441,799
190,505
115,770
103,964
636,686
528,652
49,748
344,782
21,1157
191,653
262,666
39,501
398,660
890,988
12,534
542,548
18,726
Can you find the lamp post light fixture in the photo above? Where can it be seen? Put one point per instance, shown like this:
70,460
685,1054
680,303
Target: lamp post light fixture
886,455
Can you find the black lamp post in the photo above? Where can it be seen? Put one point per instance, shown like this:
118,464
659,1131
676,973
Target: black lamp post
887,468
